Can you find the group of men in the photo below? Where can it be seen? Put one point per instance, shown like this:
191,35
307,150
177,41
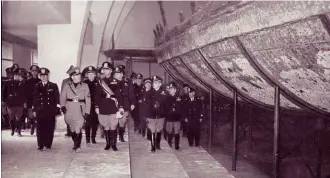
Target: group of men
101,96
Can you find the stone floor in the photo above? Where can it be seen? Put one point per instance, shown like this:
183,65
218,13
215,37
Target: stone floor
21,159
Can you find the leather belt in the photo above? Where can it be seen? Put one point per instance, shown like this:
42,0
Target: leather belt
76,100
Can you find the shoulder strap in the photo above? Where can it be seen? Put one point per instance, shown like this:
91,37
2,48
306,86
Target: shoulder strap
105,87
72,89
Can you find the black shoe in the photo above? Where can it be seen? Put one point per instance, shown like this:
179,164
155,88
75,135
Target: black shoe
40,148
12,132
93,141
19,134
32,130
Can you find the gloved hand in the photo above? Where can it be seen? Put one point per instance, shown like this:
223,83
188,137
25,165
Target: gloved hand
63,108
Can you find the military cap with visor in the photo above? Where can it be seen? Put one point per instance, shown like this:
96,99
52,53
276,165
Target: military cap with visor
172,85
43,71
190,89
106,65
74,71
157,78
18,71
90,69
139,76
34,68
147,80
118,70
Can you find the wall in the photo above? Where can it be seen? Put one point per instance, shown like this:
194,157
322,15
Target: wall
22,56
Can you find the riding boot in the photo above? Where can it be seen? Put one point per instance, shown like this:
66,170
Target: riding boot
165,134
79,139
94,130
121,134
149,134
152,141
114,140
33,126
169,139
74,139
19,128
158,138
13,127
177,141
88,134
107,139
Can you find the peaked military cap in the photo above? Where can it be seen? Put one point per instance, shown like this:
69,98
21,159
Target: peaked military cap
139,76
133,75
70,68
172,85
18,71
43,71
90,69
122,67
15,66
147,80
74,71
118,70
34,68
106,65
9,70
156,78
190,89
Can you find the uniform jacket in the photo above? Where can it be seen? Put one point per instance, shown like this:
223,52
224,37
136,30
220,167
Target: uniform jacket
106,104
193,109
13,93
173,108
158,101
30,85
45,99
65,81
80,92
128,93
145,103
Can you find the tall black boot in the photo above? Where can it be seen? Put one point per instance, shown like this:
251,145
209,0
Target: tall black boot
107,139
33,126
74,139
121,134
79,139
177,141
113,134
19,125
165,134
152,141
12,126
88,134
158,138
169,139
94,130
149,134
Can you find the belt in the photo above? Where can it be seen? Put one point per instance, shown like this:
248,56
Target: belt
76,100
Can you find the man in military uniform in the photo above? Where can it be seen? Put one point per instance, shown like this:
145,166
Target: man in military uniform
64,82
193,117
45,106
108,103
29,89
156,122
174,113
76,105
144,100
14,97
184,98
92,121
4,110
137,91
128,98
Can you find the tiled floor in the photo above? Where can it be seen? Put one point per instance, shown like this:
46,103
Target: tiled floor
21,159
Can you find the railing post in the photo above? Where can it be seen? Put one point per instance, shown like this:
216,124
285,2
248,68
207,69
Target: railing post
276,133
234,156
